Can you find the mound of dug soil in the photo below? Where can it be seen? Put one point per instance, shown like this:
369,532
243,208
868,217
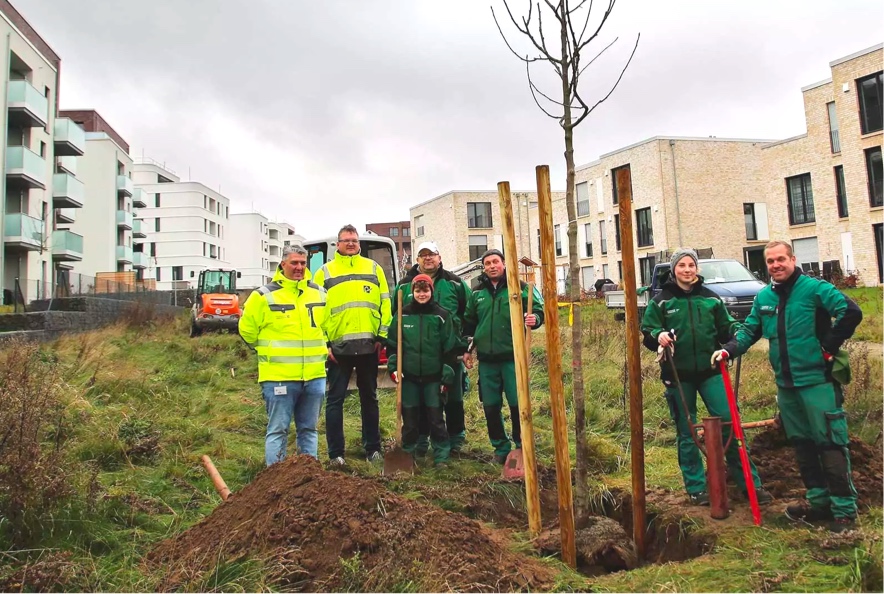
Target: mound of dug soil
776,464
321,531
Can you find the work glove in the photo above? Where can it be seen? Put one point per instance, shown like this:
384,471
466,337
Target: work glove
530,320
718,356
395,377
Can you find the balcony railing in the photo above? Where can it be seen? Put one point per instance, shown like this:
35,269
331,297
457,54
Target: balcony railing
125,185
124,254
137,230
67,191
138,200
67,245
835,137
22,231
139,260
69,138
124,219
27,106
25,167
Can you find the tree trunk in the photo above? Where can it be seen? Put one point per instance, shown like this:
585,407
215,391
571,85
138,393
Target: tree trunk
574,270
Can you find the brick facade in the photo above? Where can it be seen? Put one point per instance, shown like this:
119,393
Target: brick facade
400,233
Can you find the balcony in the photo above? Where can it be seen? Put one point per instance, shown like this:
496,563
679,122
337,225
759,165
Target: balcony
136,229
125,186
138,198
65,215
67,191
124,219
27,106
139,260
25,168
67,246
69,138
67,164
124,254
22,232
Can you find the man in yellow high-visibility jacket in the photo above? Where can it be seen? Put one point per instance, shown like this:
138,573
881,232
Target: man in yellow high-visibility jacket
283,321
358,308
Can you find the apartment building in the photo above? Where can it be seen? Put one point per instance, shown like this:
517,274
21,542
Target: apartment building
30,77
827,184
400,233
464,224
260,243
105,218
184,226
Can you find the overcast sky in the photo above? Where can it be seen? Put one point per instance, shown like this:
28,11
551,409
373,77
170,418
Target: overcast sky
350,111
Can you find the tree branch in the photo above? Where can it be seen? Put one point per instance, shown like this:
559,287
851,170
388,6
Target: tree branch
619,78
605,16
525,59
541,93
537,102
597,56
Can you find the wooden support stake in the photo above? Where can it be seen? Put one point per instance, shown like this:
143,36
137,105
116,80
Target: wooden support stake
633,360
554,357
219,483
528,330
518,330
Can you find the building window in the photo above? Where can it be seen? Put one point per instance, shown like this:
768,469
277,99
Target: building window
807,253
419,225
479,215
587,233
749,221
603,238
878,232
841,192
539,247
157,199
478,246
177,273
620,270
876,176
800,199
646,269
583,199
557,234
834,139
617,232
156,224
406,231
587,274
614,182
153,250
870,94
394,231
645,227
158,276
606,274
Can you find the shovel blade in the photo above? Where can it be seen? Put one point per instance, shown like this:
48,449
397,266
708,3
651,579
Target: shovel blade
514,466
398,460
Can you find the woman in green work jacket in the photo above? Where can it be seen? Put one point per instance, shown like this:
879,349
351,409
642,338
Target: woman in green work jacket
694,322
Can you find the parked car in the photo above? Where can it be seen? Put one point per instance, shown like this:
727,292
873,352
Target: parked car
729,279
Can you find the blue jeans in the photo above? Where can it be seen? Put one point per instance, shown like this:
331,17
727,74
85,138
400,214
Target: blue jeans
283,400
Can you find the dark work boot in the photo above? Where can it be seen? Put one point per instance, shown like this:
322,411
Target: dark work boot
804,512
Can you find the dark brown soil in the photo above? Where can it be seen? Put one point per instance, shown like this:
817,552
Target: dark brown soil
778,469
321,531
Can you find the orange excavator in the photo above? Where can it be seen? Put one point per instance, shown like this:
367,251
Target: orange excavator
217,303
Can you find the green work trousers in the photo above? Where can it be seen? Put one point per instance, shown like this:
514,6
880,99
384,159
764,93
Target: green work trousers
495,380
423,398
454,416
816,426
689,458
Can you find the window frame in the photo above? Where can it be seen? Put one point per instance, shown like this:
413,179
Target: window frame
834,129
587,235
876,199
754,235
617,242
841,192
557,239
474,220
864,108
475,254
644,233
614,193
646,264
418,225
582,204
807,203
603,239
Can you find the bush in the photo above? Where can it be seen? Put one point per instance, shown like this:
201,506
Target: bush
33,474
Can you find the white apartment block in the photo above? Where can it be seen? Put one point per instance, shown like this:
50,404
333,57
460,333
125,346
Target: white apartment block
185,225
260,243
105,219
33,138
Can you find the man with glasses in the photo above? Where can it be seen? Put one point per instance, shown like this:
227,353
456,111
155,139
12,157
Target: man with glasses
283,322
358,317
451,293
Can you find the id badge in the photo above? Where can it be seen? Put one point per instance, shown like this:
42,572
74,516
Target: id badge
279,390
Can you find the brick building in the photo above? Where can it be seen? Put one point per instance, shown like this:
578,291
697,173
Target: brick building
400,233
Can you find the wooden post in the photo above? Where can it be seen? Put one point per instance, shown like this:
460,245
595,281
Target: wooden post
521,360
554,357
528,330
217,481
633,360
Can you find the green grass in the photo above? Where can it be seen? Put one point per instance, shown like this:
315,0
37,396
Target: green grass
869,300
156,390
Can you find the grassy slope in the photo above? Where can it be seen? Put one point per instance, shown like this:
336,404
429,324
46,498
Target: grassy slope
157,381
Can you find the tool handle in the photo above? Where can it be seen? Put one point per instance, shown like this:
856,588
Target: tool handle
737,429
399,355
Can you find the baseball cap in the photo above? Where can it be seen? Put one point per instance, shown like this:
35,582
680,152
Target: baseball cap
428,245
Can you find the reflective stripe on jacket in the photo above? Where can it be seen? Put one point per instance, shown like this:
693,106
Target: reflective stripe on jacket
283,322
358,303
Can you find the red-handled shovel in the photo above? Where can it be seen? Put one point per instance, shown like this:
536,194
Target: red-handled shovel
737,428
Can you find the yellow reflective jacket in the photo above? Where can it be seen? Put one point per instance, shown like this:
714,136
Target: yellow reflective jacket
358,304
283,321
